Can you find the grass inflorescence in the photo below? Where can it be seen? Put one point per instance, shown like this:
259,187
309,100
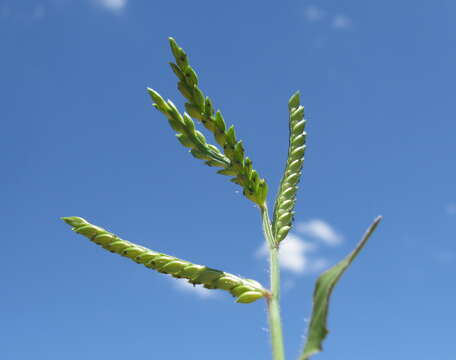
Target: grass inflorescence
286,197
245,290
199,106
228,154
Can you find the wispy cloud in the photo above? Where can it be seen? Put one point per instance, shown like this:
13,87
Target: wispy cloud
116,6
198,290
320,230
295,255
451,208
313,13
341,22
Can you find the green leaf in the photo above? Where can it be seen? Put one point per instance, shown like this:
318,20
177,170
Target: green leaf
325,284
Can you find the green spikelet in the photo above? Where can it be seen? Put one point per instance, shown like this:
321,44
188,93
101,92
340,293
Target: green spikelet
245,290
200,107
286,197
187,135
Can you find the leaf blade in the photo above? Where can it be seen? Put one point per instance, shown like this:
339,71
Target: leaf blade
323,289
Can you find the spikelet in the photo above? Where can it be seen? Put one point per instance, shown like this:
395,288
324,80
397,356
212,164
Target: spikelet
200,107
286,197
245,290
187,135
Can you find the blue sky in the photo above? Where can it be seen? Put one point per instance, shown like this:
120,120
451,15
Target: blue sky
80,138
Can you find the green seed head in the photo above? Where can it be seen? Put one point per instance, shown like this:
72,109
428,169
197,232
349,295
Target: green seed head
200,107
286,196
227,282
166,264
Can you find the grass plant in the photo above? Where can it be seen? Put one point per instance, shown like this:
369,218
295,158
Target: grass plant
228,155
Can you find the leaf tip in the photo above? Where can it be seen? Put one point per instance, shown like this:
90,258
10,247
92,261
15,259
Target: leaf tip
374,224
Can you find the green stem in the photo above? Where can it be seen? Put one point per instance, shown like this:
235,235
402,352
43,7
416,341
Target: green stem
275,322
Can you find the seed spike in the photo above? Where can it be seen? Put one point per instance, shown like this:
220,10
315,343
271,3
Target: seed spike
245,290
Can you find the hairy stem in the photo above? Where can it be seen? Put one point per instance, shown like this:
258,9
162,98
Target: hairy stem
275,322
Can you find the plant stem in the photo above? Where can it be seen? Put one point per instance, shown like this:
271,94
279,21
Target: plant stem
275,322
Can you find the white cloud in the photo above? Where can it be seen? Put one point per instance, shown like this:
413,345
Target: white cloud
294,255
199,290
112,5
313,13
451,208
320,230
341,22
319,264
